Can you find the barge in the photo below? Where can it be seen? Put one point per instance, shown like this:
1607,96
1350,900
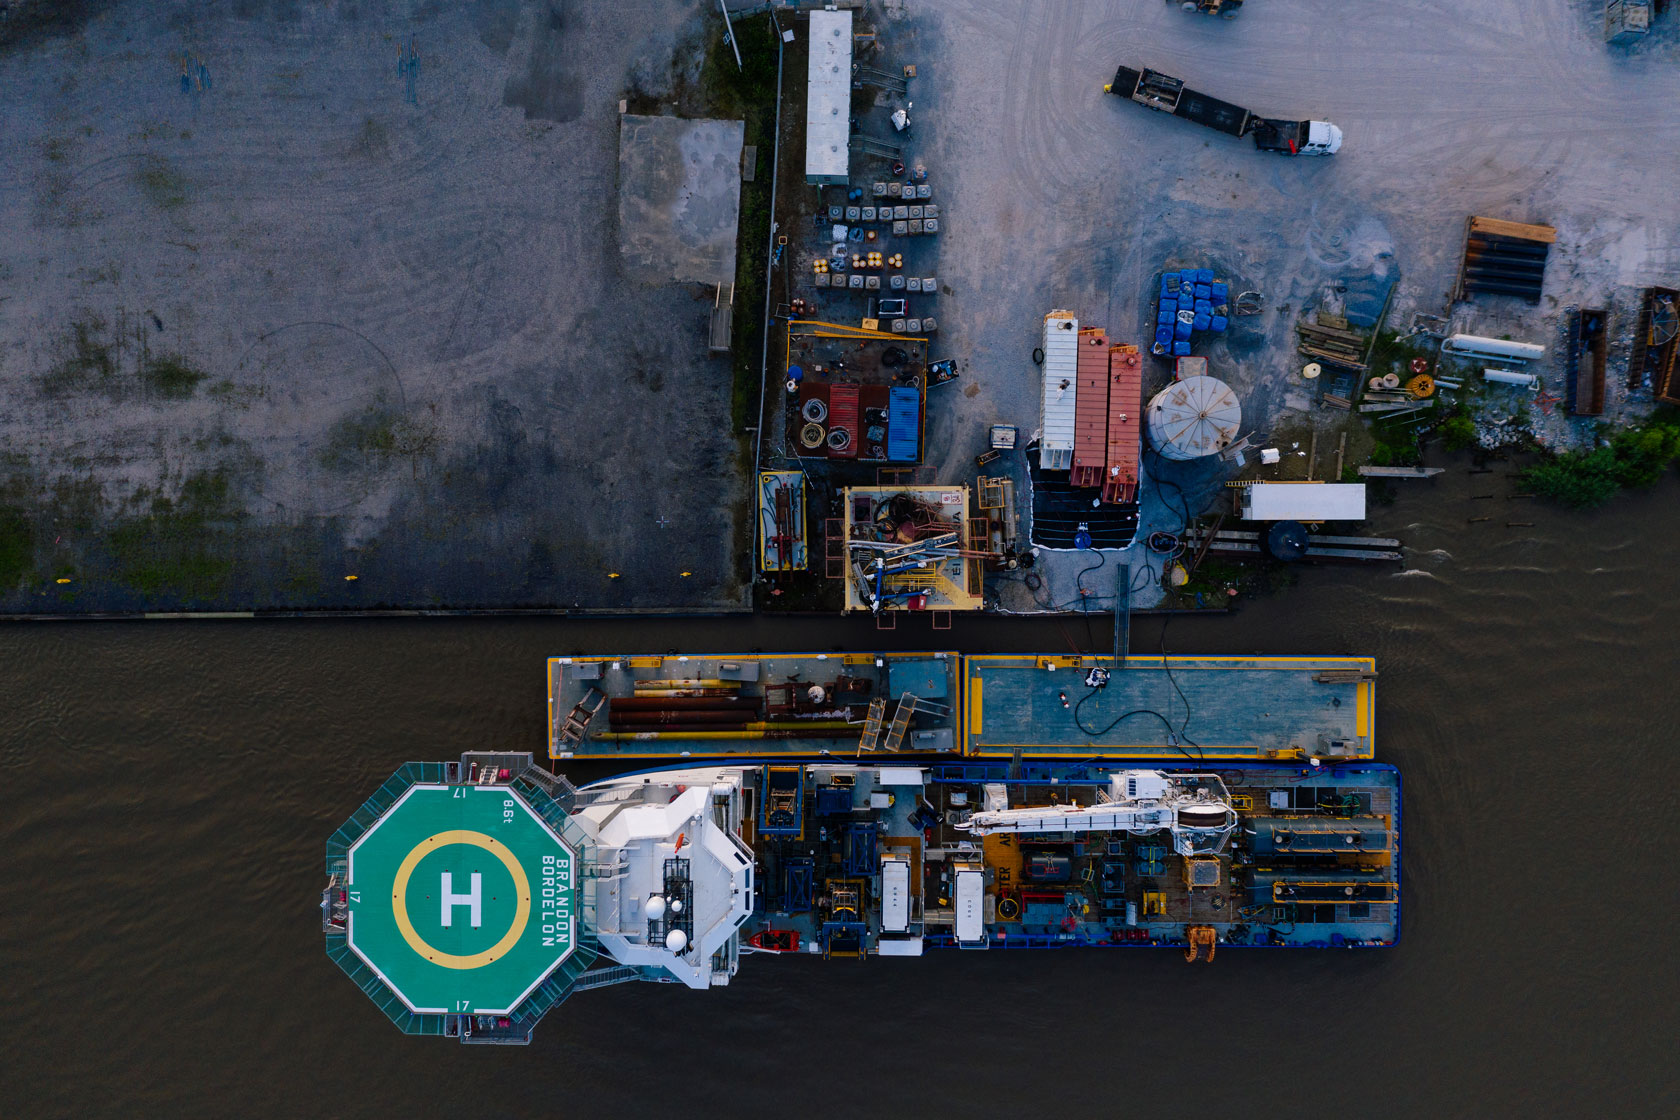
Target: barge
1003,706
469,898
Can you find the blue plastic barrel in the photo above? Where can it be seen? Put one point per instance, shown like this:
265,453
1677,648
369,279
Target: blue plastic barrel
1181,349
1181,330
1204,291
1200,322
1163,335
1186,301
795,373
1202,307
1204,276
1217,323
1221,292
1166,315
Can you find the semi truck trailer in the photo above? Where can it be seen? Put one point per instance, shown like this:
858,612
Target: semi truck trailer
1167,94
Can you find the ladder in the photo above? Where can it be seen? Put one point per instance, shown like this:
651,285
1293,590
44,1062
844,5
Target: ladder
871,738
868,146
869,76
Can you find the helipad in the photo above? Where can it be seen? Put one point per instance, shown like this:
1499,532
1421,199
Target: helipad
461,899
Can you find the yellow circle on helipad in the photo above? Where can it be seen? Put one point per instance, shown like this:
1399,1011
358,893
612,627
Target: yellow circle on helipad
399,898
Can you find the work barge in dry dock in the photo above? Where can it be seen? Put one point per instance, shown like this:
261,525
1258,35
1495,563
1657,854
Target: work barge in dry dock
945,704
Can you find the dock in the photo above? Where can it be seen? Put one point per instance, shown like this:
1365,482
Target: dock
1174,708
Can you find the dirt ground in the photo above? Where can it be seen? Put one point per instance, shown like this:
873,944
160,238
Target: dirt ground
1061,196
293,291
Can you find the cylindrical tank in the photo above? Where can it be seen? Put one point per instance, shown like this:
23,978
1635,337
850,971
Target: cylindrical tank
1474,345
1193,417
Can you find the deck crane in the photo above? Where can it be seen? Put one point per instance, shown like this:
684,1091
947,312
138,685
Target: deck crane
1194,808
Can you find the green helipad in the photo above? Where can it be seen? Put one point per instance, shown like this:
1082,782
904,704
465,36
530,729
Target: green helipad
461,899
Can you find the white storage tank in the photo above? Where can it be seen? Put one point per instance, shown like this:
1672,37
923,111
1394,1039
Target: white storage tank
1193,417
1061,362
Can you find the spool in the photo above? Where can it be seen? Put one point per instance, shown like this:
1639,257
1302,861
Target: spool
1374,383
1391,381
811,436
1422,386
1311,371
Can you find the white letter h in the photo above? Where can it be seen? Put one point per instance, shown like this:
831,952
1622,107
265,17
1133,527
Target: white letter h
473,898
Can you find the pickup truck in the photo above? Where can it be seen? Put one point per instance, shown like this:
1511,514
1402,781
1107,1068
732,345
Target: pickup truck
1167,94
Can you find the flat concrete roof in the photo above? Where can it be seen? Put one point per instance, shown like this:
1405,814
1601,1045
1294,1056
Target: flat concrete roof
679,198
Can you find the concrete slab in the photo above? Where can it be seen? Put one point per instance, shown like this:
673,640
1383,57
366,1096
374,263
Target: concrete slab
298,292
679,198
1063,196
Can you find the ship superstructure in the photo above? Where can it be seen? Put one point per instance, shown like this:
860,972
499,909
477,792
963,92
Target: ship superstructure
470,898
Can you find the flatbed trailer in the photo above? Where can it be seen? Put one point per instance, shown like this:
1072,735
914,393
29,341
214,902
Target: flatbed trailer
1167,94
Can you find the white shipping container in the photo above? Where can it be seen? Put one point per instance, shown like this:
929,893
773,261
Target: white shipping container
1061,381
1304,501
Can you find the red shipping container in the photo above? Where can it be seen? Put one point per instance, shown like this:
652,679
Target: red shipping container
1090,416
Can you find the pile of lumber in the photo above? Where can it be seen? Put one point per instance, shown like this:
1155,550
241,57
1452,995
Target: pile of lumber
1336,346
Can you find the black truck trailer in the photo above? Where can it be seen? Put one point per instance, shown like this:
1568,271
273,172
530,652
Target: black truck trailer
1167,94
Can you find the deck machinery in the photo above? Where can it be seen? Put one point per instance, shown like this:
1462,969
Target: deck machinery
468,899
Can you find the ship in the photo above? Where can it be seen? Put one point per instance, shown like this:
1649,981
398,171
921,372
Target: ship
469,898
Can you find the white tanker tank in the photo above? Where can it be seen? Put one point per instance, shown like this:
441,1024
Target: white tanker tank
1475,346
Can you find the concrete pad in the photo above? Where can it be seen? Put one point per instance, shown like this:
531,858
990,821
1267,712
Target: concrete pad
337,294
679,198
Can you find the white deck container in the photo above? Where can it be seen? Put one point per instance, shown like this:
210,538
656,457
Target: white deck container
829,104
1304,501
1061,362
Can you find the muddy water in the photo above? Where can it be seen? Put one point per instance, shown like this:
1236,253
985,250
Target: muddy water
168,789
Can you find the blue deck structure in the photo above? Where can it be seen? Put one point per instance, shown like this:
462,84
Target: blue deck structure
1198,708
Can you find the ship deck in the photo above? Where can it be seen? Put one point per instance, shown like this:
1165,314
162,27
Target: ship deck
1179,708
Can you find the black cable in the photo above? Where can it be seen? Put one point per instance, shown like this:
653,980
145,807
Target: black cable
1172,739
1167,665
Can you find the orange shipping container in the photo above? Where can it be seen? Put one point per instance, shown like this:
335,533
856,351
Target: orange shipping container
1090,418
1125,412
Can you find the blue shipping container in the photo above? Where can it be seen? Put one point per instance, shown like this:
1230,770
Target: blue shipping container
903,421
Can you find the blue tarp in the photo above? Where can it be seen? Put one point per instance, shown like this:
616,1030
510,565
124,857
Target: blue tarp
903,420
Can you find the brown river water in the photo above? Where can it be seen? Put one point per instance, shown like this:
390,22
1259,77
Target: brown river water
169,787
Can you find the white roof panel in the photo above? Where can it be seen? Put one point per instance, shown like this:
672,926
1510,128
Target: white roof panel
1305,501
828,102
1061,382
895,895
971,899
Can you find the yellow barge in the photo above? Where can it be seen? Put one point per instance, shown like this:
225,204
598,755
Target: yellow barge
943,703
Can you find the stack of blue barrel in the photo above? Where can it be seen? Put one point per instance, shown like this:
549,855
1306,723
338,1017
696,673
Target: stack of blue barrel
1191,302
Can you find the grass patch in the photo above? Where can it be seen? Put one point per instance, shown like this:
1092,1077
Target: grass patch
1457,432
180,547
17,548
169,376
1634,457
163,186
88,360
750,94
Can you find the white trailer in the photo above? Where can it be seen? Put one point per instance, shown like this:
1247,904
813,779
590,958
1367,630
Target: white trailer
1061,383
1308,502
